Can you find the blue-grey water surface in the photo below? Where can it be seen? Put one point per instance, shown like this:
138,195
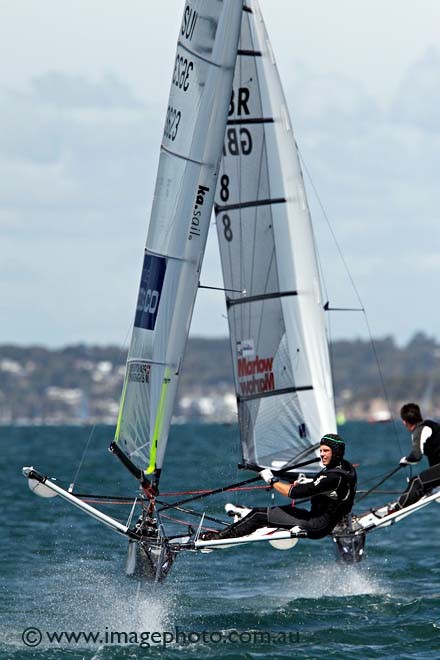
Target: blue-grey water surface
62,572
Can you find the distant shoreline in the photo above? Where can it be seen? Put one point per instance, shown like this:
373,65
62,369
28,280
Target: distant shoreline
81,384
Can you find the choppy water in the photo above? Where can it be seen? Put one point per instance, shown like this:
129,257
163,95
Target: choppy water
61,572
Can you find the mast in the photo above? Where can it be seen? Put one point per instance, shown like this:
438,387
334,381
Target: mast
277,326
182,204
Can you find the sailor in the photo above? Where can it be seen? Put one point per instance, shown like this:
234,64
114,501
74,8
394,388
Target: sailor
331,491
425,435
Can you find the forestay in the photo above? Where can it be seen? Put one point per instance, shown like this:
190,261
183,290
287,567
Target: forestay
277,325
180,216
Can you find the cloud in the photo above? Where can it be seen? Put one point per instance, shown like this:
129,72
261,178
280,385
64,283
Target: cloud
61,91
71,143
372,166
376,172
340,101
78,161
418,96
77,169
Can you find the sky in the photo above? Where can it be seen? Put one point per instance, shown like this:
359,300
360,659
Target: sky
83,93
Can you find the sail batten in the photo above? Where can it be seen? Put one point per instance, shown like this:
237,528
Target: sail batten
200,57
135,360
250,120
257,297
182,157
250,53
281,392
277,327
250,204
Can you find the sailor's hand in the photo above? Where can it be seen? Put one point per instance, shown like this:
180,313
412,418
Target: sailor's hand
267,476
302,479
404,461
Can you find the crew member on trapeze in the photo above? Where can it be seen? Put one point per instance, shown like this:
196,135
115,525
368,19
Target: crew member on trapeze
425,436
331,491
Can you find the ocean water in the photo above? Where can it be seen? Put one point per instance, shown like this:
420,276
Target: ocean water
62,574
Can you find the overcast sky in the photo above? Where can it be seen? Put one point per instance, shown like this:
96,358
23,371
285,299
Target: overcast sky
83,90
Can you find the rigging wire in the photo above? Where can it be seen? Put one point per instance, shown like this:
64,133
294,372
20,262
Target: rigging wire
72,485
130,517
224,489
92,431
356,291
379,483
109,499
374,478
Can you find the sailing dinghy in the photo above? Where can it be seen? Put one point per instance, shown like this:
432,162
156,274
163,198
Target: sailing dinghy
226,103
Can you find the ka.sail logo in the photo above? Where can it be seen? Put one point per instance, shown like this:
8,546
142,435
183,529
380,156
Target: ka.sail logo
197,212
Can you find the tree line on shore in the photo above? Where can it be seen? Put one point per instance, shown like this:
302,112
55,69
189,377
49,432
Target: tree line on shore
35,382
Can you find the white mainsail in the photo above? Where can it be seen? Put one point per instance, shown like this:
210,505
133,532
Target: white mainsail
180,216
277,325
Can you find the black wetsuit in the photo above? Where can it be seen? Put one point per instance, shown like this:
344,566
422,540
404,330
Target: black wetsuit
332,493
425,441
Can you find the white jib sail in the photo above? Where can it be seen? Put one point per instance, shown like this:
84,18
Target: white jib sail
277,326
186,180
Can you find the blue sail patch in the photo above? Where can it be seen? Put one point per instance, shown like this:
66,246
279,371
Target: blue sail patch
153,274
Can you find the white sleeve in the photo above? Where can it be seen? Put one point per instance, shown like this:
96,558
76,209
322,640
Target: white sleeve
425,434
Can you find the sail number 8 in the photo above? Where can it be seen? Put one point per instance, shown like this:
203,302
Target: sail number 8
227,231
224,188
224,196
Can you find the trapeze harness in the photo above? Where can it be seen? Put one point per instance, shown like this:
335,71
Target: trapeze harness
425,440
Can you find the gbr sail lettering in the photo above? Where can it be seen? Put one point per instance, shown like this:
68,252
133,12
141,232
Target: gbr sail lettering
255,376
238,139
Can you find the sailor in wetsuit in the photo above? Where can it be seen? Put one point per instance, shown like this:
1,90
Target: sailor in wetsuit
331,491
425,435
